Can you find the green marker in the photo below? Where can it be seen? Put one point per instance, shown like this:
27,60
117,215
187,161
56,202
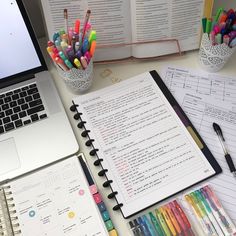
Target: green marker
156,224
92,36
163,223
208,25
204,21
210,214
219,11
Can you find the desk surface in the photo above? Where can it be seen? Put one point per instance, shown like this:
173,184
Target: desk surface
121,71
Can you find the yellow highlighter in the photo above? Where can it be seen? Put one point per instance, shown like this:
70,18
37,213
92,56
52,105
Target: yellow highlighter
162,222
77,63
173,219
168,220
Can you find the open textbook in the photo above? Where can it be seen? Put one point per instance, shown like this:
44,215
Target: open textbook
123,22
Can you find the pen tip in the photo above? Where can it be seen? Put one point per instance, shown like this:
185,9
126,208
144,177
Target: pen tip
216,127
89,11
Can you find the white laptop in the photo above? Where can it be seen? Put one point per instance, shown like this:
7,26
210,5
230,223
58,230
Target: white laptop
34,128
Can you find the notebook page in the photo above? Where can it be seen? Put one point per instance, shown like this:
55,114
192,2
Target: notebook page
148,152
56,201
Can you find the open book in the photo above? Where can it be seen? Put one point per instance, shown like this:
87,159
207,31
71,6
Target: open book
55,200
146,145
122,22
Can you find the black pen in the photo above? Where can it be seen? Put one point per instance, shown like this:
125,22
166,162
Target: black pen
227,155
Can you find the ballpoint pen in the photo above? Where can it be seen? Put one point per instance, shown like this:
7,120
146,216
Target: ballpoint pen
227,155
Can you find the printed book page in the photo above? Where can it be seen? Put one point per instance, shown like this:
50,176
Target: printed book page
165,19
110,19
208,98
121,21
147,150
56,201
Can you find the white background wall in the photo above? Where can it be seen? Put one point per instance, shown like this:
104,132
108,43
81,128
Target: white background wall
33,7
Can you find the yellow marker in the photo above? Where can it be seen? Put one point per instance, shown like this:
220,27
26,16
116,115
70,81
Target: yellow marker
173,219
77,63
168,220
163,223
113,233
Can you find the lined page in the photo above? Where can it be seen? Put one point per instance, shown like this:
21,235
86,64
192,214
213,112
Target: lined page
147,150
56,201
110,19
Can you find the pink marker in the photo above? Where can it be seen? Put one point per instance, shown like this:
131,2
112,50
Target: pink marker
216,29
212,37
83,62
226,39
88,56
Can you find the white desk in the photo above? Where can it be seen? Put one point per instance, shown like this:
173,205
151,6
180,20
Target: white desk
123,71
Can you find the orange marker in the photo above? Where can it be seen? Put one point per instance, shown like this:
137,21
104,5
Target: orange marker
168,221
92,48
173,219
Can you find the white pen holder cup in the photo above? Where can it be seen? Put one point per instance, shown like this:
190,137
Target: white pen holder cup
77,80
212,58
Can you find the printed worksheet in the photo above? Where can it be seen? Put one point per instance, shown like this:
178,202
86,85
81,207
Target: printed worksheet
202,111
218,87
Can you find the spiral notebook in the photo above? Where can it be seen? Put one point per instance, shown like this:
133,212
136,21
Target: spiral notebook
52,201
146,146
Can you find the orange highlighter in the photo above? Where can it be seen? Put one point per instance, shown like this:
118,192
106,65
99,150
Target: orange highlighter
173,219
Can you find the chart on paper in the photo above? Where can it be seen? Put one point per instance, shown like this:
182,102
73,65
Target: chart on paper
203,111
218,87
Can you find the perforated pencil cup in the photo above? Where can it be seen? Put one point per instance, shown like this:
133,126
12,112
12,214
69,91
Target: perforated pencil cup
78,80
212,58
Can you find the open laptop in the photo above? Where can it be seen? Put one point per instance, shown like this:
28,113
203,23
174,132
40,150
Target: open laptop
34,128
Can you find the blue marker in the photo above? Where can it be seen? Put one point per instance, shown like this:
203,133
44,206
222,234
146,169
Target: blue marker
85,46
144,227
149,225
55,36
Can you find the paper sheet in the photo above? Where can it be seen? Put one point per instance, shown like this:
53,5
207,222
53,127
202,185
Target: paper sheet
205,99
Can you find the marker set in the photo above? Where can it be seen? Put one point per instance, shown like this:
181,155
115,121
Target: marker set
73,47
167,220
221,28
209,212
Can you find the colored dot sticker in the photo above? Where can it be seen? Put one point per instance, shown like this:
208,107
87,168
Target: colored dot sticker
31,213
81,192
71,214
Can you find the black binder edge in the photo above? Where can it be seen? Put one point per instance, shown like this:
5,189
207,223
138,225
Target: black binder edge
185,120
93,153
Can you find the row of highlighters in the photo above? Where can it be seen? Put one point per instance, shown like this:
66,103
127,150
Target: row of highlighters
171,219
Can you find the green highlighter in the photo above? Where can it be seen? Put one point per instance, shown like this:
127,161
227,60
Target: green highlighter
163,223
156,224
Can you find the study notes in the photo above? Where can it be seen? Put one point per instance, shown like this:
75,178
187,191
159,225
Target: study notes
145,147
122,21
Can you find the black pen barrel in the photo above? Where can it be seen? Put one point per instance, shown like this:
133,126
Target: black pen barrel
230,163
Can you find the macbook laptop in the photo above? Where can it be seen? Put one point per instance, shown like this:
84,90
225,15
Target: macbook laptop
34,128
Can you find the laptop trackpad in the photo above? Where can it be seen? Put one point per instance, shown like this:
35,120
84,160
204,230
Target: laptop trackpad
9,158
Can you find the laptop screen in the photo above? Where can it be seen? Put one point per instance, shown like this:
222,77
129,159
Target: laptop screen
18,46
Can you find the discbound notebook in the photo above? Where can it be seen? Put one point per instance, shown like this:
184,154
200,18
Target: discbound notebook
145,144
52,201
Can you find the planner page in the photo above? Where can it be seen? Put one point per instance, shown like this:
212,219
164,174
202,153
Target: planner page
56,201
148,152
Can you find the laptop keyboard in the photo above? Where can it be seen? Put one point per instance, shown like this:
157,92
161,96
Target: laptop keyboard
20,107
